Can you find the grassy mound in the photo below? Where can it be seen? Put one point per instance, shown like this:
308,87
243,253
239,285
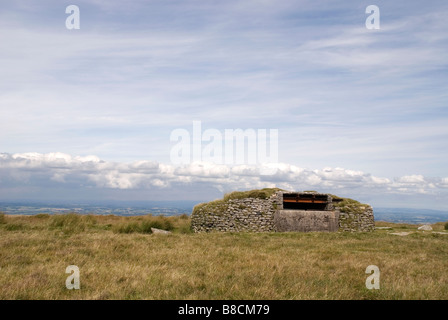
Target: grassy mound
257,194
348,205
220,205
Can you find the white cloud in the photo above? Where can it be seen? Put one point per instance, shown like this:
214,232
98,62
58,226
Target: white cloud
62,168
341,96
443,183
415,179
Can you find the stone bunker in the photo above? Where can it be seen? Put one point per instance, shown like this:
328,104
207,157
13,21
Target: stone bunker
275,210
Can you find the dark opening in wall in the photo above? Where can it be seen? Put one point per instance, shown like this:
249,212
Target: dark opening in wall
305,201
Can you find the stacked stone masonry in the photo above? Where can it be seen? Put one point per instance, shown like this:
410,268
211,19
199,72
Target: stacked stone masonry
262,215
353,222
250,214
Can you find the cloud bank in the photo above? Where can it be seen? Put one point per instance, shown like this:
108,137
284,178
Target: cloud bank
60,170
359,112
133,73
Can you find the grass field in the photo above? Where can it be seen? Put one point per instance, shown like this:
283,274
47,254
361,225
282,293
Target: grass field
119,258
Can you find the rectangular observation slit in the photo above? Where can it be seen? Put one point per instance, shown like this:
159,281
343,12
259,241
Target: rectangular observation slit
305,201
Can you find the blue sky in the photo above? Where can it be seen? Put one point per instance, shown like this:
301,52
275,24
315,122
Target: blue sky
89,112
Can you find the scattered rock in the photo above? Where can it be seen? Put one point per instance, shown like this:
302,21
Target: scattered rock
383,228
425,227
400,233
159,231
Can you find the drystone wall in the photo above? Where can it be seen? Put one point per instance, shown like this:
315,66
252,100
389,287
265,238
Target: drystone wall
357,222
249,214
268,215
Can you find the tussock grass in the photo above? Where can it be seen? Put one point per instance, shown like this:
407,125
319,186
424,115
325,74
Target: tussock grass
70,223
15,226
145,225
41,216
2,218
136,265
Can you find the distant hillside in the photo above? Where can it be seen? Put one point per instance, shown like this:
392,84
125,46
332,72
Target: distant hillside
120,208
408,215
168,208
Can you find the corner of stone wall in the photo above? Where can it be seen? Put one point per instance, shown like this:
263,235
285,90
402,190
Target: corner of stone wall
277,200
236,215
357,222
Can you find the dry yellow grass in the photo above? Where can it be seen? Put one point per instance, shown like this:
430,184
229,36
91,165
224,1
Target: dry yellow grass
35,251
